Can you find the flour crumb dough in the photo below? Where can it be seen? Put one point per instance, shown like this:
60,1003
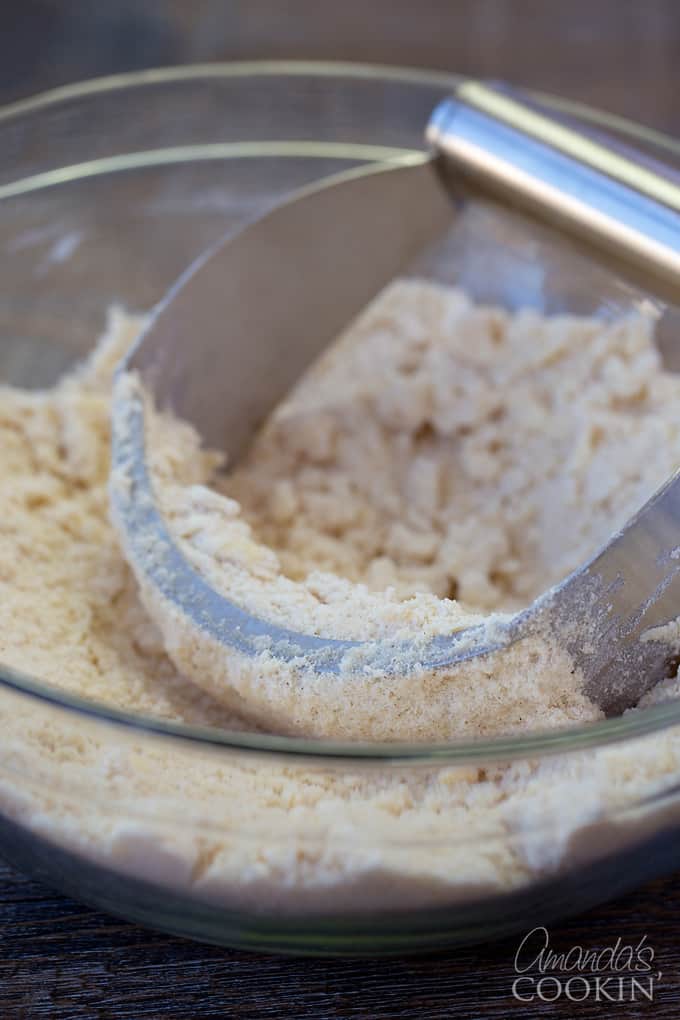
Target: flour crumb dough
442,463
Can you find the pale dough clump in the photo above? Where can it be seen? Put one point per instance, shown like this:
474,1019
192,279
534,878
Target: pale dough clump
70,613
441,462
291,834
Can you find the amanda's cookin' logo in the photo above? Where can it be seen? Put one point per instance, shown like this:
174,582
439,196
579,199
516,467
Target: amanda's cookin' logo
618,972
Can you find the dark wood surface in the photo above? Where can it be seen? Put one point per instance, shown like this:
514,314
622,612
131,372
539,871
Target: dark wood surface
621,55
59,959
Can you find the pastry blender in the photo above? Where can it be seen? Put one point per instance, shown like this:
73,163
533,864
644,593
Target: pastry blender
246,320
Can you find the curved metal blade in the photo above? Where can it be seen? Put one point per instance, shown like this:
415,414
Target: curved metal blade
242,325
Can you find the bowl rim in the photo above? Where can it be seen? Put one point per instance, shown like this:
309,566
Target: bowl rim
473,751
313,68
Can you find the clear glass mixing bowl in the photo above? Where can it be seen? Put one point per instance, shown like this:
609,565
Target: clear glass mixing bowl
107,191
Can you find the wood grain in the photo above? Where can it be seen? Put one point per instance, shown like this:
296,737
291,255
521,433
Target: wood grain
63,961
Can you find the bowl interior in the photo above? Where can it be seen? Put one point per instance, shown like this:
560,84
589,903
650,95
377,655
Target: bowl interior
109,190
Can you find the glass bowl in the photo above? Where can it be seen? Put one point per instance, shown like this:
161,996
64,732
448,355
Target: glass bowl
107,191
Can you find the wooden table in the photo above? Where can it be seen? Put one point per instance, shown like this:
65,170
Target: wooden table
621,55
59,959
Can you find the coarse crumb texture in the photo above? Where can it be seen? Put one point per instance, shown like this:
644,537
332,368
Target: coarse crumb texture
261,833
448,449
533,684
295,838
441,462
69,609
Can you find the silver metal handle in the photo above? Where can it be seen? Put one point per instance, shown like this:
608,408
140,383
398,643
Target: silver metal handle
498,143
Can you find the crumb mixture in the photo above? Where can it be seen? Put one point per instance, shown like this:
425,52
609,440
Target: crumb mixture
460,451
444,461
70,613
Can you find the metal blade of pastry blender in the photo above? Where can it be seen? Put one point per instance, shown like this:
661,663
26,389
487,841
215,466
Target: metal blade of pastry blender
245,322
